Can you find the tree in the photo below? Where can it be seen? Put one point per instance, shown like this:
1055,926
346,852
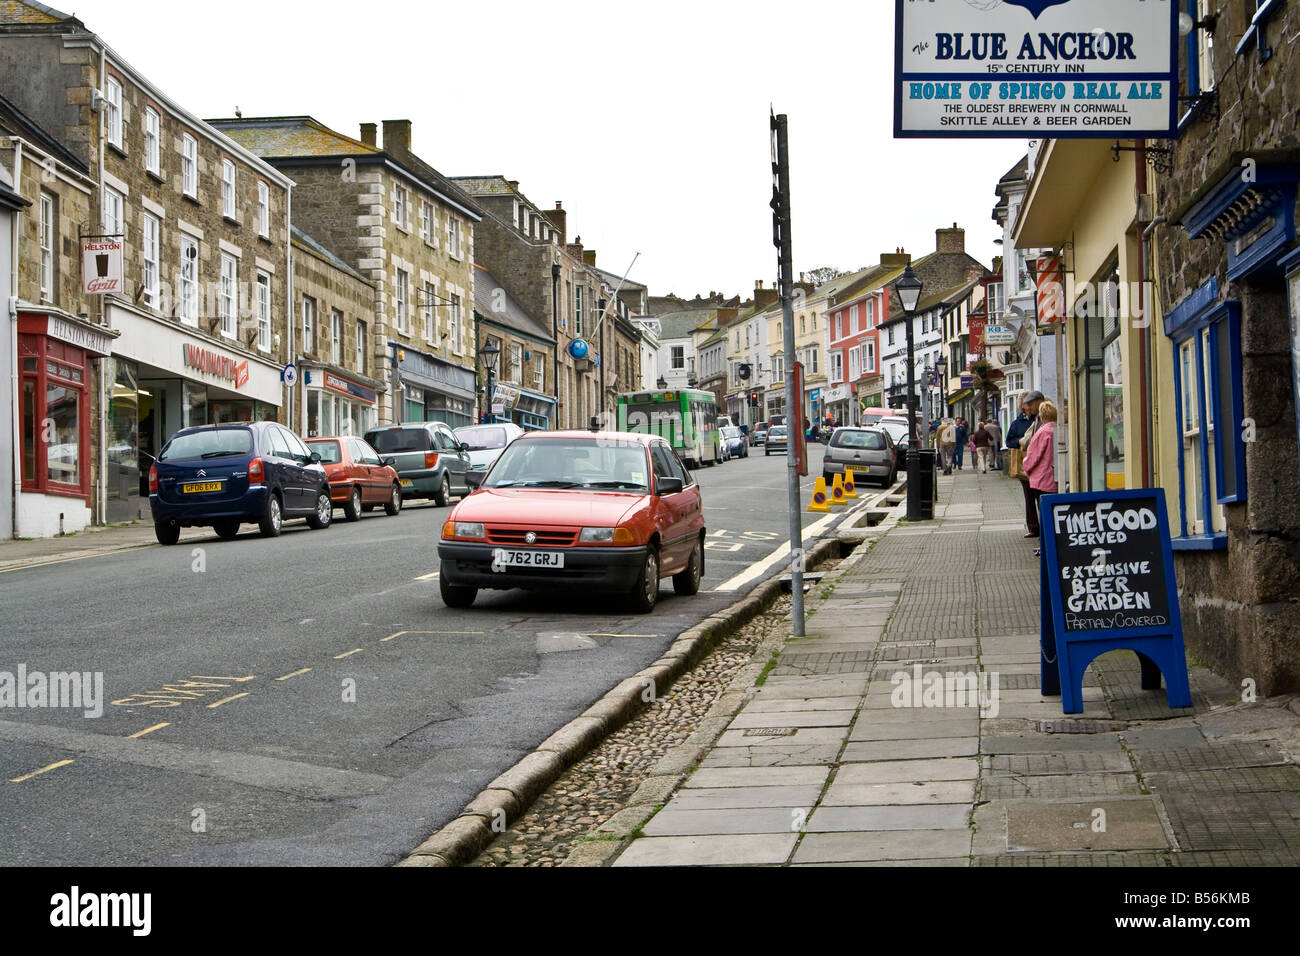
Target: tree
982,375
823,274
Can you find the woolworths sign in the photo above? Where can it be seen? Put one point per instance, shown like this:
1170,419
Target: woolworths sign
1031,69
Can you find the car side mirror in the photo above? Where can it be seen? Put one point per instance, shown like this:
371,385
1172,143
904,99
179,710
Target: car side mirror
314,457
475,478
668,486
387,460
464,446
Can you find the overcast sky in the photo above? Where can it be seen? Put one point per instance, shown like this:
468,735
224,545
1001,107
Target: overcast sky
648,120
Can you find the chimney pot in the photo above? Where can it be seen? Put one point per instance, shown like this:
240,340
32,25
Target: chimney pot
368,131
558,204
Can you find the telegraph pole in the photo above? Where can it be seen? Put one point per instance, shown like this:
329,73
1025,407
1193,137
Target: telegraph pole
781,238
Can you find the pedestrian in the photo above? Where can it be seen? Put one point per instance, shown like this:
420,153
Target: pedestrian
1040,457
1018,437
963,436
995,448
946,440
982,440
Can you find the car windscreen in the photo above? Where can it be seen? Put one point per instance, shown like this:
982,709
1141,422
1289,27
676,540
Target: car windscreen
482,438
856,438
389,441
599,464
328,451
896,432
776,431
731,432
214,443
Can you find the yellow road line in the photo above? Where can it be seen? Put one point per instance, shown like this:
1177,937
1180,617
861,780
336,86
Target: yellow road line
427,577
237,680
391,636
294,674
37,773
226,700
147,730
620,635
339,657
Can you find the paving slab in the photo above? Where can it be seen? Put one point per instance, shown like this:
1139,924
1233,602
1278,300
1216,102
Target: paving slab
1049,743
801,737
1071,762
1128,825
757,777
674,821
766,705
842,794
947,816
786,688
735,798
882,845
749,850
908,771
1006,786
872,750
868,729
748,719
804,755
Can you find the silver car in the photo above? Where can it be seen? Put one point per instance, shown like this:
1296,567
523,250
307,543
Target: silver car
868,451
487,442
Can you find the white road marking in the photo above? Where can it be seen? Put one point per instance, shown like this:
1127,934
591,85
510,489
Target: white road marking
761,567
427,577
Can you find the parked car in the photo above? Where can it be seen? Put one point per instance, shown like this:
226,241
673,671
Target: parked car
897,430
430,461
758,435
359,479
487,442
220,476
778,439
868,451
734,442
606,511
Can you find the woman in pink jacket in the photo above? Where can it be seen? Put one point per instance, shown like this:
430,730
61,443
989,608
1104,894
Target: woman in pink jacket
1040,456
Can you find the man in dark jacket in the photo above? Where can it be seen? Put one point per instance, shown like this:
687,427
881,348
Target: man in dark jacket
963,436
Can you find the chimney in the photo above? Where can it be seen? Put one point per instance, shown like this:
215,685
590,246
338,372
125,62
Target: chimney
557,218
397,137
727,314
589,257
896,259
368,134
950,240
575,248
764,297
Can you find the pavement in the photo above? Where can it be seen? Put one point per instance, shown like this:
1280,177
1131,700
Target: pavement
845,753
93,541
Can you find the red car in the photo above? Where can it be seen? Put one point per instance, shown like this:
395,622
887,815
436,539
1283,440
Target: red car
359,479
590,511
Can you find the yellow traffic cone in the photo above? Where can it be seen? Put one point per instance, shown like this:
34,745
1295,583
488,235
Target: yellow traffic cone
818,502
837,492
850,486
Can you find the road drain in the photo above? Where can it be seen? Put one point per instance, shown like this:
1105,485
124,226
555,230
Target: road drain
1081,726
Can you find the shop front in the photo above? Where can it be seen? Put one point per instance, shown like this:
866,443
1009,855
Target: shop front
162,378
430,389
55,383
838,400
531,411
338,404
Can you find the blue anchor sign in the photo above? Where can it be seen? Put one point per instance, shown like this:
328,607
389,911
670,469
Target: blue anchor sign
1036,7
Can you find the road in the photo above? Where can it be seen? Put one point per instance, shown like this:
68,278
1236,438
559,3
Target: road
308,699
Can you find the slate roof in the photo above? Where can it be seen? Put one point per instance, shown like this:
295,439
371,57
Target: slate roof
12,11
16,122
494,304
679,325
301,238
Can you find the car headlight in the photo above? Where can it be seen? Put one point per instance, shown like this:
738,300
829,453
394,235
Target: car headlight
469,529
605,536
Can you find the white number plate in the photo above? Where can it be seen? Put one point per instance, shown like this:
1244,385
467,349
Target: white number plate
503,558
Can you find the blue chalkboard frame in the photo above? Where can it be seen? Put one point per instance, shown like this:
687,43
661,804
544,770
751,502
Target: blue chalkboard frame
1160,647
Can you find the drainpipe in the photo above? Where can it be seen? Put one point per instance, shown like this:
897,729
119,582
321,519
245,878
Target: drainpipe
1145,251
555,331
103,364
11,330
289,308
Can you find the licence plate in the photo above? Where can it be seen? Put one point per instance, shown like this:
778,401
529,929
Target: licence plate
200,486
503,558
406,482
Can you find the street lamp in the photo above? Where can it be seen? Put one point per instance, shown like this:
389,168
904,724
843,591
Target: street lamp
490,353
908,288
662,383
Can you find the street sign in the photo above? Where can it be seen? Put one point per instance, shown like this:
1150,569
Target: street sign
290,375
999,335
1026,69
1107,574
101,265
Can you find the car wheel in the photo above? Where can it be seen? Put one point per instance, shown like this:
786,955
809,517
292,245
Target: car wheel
394,501
226,529
324,512
645,593
454,596
352,510
687,582
443,494
273,520
167,532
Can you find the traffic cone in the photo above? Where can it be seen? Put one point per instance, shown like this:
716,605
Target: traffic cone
818,502
850,486
837,492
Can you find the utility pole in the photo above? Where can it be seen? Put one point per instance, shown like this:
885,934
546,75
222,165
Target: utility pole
781,238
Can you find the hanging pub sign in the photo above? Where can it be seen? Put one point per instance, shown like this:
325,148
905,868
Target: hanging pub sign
1108,584
1049,290
101,265
1027,69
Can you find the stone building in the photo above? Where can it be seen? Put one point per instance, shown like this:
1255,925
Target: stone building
409,231
196,323
1227,279
339,383
526,355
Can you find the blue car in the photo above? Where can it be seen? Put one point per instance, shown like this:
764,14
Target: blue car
223,475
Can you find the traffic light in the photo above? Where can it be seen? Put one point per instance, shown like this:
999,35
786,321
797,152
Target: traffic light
753,399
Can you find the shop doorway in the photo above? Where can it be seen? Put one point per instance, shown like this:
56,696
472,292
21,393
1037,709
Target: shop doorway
125,489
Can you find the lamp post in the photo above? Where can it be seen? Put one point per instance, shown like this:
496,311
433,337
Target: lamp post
908,288
490,353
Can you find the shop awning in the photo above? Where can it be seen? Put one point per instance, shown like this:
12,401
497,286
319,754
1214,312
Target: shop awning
964,393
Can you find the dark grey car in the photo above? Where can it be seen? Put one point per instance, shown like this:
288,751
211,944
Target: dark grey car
430,461
868,451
